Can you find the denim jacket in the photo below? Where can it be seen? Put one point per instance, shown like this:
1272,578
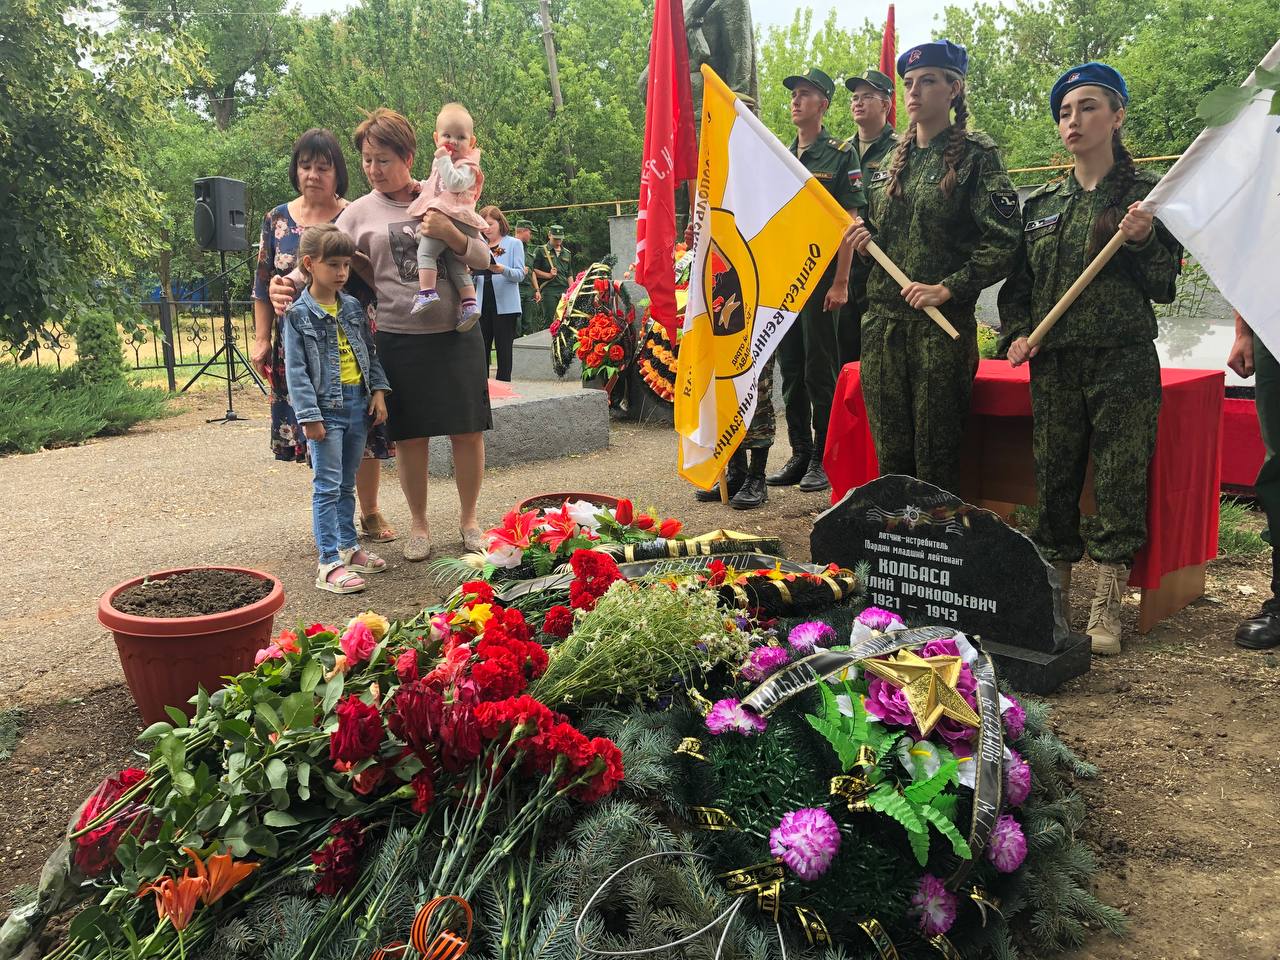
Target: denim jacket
311,364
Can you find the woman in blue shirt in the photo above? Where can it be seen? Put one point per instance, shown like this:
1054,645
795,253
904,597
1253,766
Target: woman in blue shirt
499,289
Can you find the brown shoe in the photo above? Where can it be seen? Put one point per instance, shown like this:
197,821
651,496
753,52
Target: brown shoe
1104,611
377,529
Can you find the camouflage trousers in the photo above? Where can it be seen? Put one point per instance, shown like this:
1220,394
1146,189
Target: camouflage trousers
916,382
764,423
530,313
1103,403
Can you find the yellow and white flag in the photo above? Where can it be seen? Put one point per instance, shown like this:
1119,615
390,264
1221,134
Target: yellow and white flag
764,231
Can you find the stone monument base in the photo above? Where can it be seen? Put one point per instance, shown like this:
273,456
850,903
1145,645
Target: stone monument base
1035,671
531,360
541,422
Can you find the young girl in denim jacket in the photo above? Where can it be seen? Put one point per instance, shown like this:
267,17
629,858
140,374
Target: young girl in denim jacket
337,387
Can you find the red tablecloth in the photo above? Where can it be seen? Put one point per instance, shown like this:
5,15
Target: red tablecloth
1242,449
1182,500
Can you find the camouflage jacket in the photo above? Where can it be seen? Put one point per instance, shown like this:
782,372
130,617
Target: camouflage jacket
966,241
1115,309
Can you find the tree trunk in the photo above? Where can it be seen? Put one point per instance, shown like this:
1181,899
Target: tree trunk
223,106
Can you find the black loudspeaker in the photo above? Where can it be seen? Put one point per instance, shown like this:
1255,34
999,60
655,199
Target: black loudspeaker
219,215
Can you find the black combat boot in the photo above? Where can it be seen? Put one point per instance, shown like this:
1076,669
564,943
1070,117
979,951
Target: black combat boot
735,473
1263,631
754,492
792,470
815,478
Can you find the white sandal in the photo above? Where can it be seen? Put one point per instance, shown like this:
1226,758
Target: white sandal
373,563
349,582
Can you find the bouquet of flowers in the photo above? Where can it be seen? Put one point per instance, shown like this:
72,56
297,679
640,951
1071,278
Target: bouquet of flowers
657,355
595,316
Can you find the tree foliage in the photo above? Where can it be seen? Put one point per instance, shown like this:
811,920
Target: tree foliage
77,211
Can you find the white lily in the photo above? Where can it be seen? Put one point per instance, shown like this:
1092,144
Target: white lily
504,555
920,758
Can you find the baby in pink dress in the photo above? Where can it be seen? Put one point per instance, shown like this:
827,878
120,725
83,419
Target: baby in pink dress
453,188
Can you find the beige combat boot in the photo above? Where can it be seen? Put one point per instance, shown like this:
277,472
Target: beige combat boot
1063,569
1104,612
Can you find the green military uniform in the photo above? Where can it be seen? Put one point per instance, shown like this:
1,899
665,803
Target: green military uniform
808,355
1095,384
530,309
544,259
916,380
878,154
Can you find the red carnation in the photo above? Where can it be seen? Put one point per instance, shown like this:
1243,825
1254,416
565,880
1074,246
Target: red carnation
424,792
338,861
602,286
505,715
359,732
417,714
643,522
558,622
559,739
608,772
476,591
669,528
498,677
584,341
616,353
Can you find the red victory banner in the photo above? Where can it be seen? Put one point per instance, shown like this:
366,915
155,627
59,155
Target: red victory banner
887,66
670,157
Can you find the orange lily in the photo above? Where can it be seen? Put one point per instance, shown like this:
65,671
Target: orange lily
220,873
176,897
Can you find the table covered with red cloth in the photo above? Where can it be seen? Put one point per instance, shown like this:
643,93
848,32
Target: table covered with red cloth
1182,499
1242,449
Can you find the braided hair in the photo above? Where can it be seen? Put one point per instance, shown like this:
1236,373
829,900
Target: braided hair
1123,176
955,145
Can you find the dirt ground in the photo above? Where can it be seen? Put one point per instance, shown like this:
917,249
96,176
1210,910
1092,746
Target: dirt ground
1184,816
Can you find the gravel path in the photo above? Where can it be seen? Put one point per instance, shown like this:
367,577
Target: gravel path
182,492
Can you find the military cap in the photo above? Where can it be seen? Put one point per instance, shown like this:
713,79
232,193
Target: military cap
937,53
1091,74
814,77
556,231
524,224
873,79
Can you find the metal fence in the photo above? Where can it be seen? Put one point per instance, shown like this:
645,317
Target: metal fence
175,336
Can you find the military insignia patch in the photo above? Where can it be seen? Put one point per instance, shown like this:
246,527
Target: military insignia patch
880,175
1005,202
855,178
1033,225
821,175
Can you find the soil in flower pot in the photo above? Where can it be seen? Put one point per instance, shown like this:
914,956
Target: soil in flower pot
195,593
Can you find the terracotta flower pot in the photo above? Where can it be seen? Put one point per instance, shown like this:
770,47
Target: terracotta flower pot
554,501
166,659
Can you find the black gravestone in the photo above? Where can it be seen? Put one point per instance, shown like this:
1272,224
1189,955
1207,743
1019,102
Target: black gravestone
935,559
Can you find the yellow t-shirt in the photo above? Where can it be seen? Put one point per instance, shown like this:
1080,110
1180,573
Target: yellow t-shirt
347,365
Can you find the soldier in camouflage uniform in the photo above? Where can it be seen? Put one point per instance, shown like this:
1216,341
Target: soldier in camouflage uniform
1095,378
809,354
552,269
875,141
946,213
530,311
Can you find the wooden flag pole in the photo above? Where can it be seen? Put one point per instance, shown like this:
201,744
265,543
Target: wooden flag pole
724,486
1082,281
903,280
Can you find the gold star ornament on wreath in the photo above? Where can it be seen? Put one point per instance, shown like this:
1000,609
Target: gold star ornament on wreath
929,684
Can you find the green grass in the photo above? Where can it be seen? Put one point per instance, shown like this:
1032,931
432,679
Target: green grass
1237,536
45,408
10,730
987,339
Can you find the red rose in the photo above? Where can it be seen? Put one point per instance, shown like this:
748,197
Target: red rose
669,528
407,665
602,286
424,792
367,780
585,342
359,732
476,591
459,737
607,764
643,522
317,628
417,714
624,513
95,851
338,861
558,622
616,353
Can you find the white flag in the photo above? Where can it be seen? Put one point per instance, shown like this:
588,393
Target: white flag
1222,201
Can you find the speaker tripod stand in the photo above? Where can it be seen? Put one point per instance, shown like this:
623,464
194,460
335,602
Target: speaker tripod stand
229,353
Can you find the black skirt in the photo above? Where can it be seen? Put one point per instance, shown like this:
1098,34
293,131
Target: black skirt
439,383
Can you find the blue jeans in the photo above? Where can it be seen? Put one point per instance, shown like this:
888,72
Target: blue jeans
334,461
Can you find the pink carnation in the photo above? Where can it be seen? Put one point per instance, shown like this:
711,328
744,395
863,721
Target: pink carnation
1017,780
764,661
876,618
1008,845
888,703
1015,719
806,841
358,642
726,715
804,638
935,904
